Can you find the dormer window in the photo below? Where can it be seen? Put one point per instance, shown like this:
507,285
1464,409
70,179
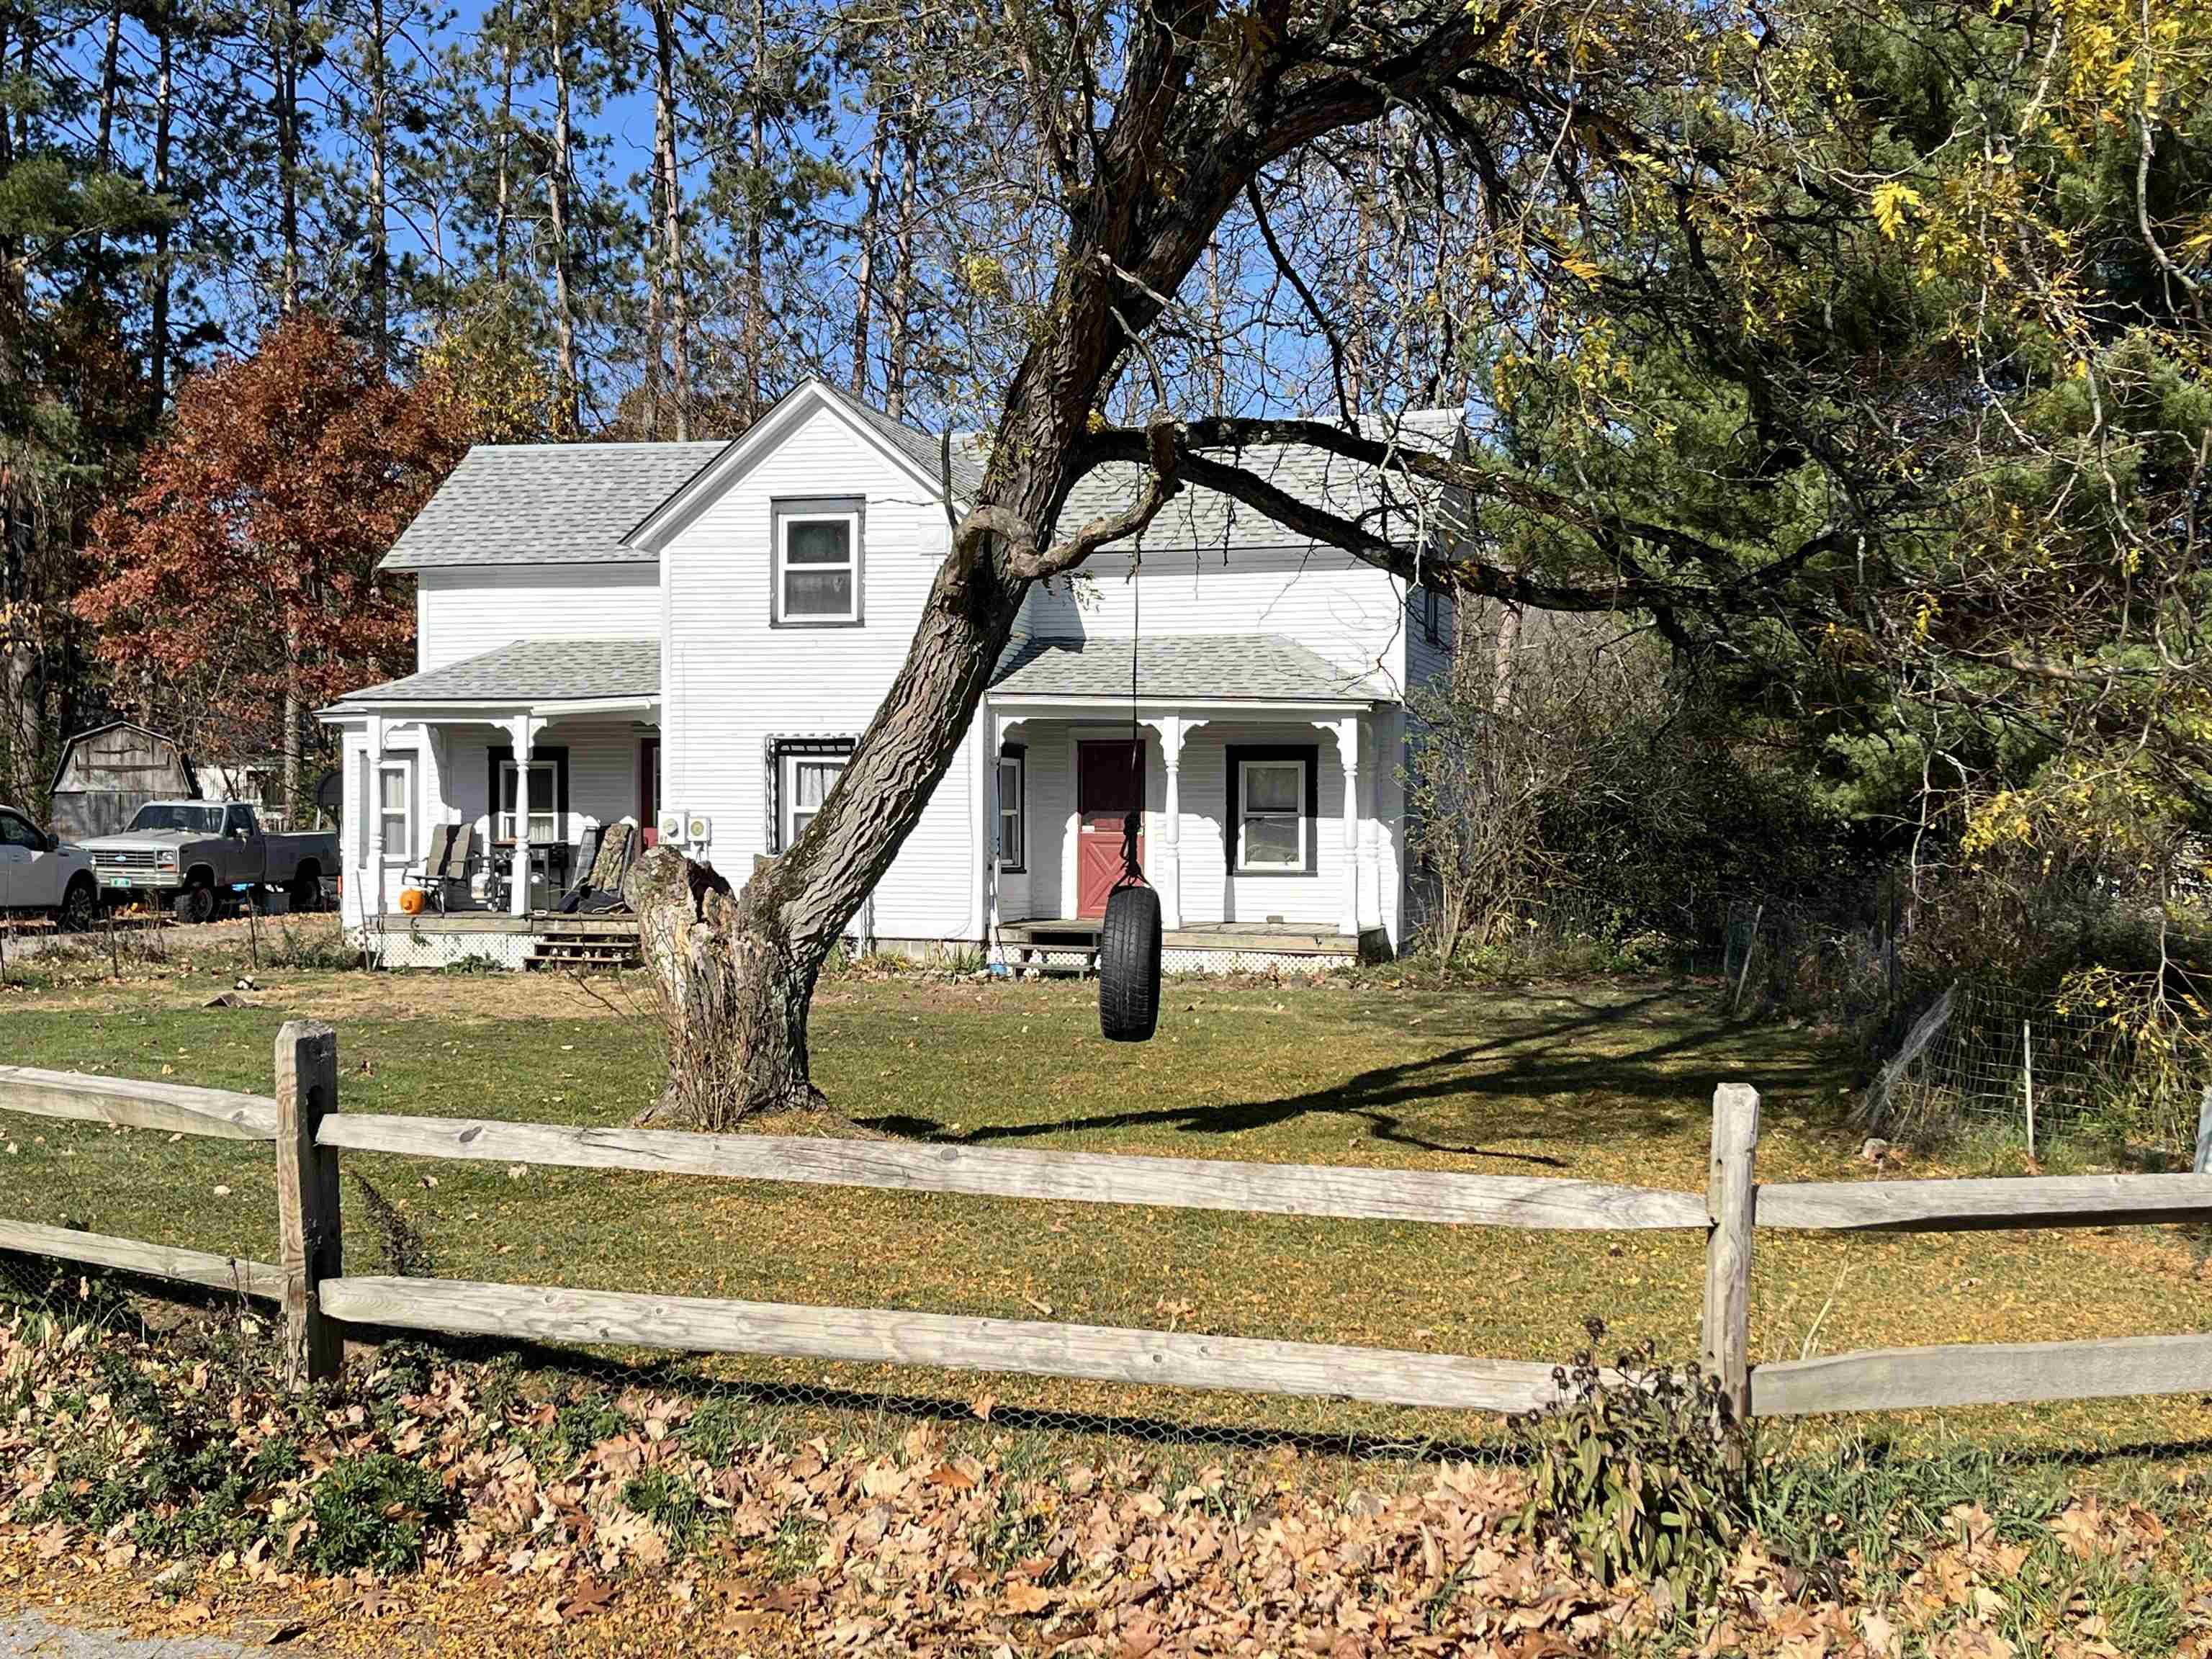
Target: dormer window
817,563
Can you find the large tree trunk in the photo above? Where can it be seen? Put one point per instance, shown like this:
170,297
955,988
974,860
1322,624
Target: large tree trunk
865,279
556,204
668,290
157,324
1137,239
380,232
902,341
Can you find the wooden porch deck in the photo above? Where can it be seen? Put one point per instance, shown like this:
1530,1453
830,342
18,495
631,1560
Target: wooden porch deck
558,940
1266,938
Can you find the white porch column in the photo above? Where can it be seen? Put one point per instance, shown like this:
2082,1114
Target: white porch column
1167,861
1370,833
372,875
994,742
522,733
984,792
1347,751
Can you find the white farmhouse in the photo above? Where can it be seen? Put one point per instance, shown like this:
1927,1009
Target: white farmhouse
692,636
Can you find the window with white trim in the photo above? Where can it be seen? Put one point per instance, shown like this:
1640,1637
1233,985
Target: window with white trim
817,567
395,806
1013,818
1271,827
807,781
544,802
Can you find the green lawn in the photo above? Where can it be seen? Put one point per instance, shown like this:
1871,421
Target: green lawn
1606,1081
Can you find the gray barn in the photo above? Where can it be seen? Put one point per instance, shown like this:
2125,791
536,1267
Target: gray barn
108,773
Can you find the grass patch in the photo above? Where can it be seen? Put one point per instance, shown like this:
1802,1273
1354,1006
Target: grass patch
1603,1082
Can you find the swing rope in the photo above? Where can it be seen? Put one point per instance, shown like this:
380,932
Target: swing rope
1132,821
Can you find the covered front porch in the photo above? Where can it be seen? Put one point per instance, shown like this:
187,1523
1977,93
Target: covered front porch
558,740
1268,804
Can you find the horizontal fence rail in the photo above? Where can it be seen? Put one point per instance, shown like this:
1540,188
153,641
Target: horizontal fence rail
321,1302
1186,1359
1983,1374
1186,1183
173,1107
201,1267
1960,1206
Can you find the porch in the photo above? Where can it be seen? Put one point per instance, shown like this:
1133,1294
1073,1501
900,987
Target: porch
1264,779
542,940
526,749
1069,945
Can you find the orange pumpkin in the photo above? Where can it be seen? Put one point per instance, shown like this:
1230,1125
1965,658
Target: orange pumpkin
411,901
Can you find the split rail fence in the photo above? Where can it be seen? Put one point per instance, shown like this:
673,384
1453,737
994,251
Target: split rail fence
322,1302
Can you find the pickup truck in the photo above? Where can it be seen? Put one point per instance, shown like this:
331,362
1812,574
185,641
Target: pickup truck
199,855
40,872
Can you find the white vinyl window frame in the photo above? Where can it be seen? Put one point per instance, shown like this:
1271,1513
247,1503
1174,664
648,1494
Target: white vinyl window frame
1014,814
1247,814
545,823
789,517
800,773
394,776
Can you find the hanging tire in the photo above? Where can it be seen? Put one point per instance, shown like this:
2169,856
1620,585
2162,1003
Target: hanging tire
1129,965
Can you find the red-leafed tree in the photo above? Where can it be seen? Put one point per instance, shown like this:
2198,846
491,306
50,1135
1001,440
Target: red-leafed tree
235,587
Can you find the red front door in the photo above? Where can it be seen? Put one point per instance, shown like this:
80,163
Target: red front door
1109,786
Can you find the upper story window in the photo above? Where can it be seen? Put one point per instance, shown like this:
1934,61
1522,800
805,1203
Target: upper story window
817,563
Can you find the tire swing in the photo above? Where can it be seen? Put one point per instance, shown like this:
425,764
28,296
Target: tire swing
1129,936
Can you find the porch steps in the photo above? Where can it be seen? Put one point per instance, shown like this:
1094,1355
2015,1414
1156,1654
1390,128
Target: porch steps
583,946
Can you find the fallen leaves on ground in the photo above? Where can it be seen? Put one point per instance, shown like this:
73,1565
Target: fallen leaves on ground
918,1548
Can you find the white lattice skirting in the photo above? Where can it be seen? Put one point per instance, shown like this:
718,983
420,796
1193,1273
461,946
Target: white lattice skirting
405,947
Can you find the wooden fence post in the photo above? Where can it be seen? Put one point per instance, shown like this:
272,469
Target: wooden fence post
307,1197
1731,1193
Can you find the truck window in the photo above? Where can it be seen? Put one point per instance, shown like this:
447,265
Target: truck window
238,820
194,820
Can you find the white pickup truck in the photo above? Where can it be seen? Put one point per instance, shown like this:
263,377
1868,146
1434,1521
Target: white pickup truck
200,856
39,871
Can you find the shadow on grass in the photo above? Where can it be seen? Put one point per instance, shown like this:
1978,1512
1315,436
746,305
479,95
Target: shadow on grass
1636,1093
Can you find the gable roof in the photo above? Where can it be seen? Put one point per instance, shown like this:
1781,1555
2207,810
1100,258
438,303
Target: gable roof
918,452
519,504
601,504
532,671
1244,667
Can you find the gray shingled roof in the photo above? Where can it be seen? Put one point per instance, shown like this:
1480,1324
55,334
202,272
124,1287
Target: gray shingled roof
1258,667
545,504
533,671
573,503
1203,518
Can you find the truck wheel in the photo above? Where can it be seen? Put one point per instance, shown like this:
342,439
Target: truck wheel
195,904
307,888
80,908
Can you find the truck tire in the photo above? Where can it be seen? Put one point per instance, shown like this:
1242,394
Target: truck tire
196,904
306,887
80,911
1129,965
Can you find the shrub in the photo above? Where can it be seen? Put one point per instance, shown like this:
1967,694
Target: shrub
1637,1472
376,1511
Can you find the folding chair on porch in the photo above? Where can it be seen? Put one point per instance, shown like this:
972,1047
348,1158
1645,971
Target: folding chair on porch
451,861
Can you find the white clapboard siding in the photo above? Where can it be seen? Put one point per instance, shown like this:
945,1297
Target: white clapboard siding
1186,1359
462,613
731,682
